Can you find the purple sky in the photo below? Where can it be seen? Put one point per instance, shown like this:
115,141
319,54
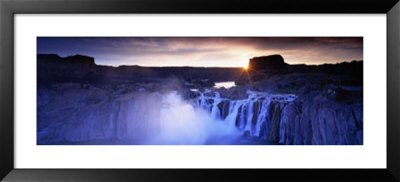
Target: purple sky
204,51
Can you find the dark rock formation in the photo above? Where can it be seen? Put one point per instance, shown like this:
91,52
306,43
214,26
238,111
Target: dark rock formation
263,67
76,59
275,118
266,62
223,107
292,130
82,60
73,114
316,120
256,109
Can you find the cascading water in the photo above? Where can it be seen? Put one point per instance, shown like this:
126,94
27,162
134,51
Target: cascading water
184,123
250,116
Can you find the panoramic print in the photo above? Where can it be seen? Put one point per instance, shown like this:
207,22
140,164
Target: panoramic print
199,91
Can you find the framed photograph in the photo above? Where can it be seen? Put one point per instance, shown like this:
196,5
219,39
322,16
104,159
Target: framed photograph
129,90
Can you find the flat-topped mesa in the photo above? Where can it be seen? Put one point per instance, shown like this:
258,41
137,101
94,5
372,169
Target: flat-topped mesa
266,62
80,59
76,59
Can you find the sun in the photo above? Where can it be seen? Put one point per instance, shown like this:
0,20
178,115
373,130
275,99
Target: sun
245,67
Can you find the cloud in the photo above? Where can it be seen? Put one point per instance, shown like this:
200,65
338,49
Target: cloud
204,51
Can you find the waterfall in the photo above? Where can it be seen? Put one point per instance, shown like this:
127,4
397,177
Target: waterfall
250,116
162,118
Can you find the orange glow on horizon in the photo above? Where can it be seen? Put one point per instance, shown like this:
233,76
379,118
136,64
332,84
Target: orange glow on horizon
246,67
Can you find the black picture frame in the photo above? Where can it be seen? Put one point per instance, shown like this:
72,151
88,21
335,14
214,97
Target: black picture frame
9,8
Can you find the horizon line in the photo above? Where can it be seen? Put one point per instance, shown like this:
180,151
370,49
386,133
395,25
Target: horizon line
124,65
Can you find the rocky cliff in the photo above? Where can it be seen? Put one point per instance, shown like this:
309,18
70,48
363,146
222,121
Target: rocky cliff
266,62
76,59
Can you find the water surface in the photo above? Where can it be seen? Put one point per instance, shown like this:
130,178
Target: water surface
226,85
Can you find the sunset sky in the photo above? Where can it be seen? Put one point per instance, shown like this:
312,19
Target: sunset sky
203,51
